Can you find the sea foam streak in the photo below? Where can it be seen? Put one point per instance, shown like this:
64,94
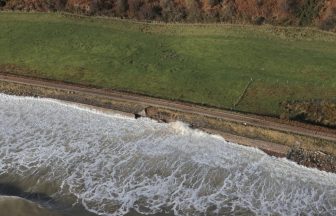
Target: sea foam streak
113,164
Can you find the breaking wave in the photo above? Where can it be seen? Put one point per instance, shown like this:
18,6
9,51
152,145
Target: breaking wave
114,165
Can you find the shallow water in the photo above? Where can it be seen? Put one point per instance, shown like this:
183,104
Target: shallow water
69,160
16,206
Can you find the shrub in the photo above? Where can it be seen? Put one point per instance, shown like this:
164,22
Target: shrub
121,7
150,12
259,20
214,2
134,7
2,3
105,7
329,22
193,11
227,12
290,6
167,10
309,11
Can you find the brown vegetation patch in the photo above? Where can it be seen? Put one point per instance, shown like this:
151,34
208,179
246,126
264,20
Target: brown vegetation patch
322,112
15,69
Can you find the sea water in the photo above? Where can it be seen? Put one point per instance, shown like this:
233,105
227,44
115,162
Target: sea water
69,160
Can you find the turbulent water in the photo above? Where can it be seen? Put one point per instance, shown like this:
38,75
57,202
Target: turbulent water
69,160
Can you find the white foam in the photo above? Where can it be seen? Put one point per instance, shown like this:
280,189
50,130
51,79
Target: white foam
113,164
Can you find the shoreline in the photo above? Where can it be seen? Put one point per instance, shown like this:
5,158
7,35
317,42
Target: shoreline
304,145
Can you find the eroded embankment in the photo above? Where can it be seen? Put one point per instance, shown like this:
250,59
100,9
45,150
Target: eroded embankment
309,150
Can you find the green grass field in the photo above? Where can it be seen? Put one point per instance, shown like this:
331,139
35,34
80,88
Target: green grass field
207,64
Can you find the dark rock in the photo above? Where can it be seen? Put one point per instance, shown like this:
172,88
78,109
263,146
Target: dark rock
314,159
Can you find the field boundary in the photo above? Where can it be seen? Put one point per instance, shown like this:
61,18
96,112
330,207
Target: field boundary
243,94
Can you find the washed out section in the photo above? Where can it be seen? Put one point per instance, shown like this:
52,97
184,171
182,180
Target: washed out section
114,164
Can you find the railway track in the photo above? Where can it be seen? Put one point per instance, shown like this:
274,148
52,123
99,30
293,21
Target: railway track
257,121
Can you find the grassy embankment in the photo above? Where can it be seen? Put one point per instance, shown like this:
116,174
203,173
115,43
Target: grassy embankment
206,64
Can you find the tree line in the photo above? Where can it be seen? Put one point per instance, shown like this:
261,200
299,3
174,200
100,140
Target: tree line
278,12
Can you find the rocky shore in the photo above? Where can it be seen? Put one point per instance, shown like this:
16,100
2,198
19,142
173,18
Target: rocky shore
313,159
